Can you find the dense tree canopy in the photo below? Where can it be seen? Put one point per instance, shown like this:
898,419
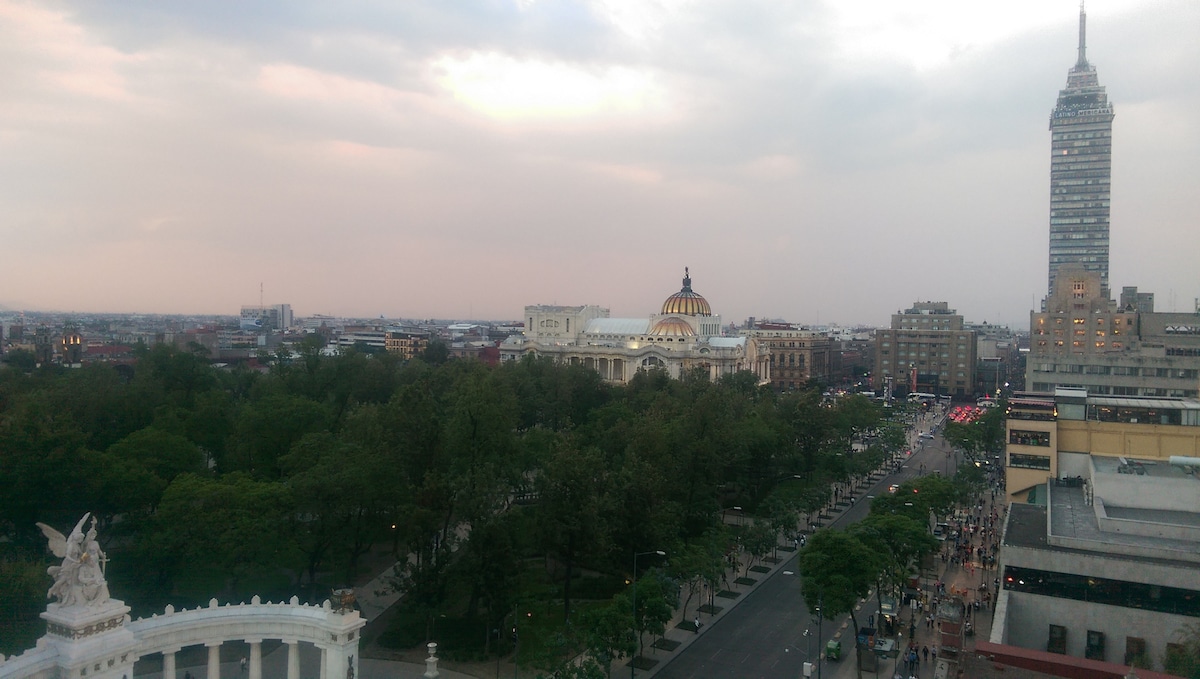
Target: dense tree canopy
232,482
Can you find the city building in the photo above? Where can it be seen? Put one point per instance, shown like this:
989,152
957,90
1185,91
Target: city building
274,317
1080,170
998,354
684,336
797,355
1058,435
406,343
928,350
1104,568
1083,340
71,346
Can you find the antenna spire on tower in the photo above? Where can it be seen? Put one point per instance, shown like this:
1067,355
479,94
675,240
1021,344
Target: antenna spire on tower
1082,61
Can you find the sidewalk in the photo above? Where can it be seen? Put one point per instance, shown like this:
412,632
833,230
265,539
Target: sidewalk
680,634
956,577
678,638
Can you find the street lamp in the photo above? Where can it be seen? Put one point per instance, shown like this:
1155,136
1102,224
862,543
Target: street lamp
637,630
820,651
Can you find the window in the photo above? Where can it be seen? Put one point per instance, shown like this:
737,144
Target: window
1057,641
1023,437
1135,651
1095,646
1028,461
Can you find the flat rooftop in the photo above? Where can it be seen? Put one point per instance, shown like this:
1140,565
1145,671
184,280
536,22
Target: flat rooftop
1073,518
1157,468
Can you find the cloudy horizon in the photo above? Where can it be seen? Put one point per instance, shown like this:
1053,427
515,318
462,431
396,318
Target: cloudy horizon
820,162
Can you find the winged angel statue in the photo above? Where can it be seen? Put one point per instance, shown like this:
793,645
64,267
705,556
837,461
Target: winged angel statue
79,581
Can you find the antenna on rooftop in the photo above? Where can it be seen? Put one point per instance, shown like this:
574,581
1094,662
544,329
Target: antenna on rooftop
1082,61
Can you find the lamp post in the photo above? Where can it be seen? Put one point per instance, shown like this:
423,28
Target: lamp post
820,651
637,629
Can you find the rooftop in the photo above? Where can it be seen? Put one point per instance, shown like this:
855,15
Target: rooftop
1074,519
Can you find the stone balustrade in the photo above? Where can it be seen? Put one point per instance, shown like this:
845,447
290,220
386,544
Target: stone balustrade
86,652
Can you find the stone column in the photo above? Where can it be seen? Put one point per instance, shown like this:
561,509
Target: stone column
214,661
324,663
293,666
169,663
255,658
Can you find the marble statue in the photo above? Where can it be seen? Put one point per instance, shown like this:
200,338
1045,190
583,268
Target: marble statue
79,581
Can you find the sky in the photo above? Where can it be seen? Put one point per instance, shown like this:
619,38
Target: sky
814,161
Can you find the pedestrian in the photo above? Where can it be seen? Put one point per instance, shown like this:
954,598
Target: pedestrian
933,652
925,652
243,664
697,624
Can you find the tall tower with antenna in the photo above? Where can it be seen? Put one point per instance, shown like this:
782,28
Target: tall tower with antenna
1080,170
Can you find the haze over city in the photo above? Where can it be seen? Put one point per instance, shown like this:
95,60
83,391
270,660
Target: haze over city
819,162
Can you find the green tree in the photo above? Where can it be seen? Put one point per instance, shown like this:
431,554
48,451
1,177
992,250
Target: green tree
573,509
900,542
1183,658
20,359
609,633
837,570
213,535
23,586
657,599
267,428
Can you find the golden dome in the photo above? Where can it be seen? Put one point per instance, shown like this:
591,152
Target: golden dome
672,327
685,301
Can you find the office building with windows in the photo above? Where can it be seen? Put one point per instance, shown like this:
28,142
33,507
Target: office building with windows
1083,340
1101,545
1080,170
797,355
928,350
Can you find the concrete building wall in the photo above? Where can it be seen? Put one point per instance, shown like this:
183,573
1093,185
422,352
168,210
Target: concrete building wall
1074,464
1146,528
549,323
1029,617
1115,567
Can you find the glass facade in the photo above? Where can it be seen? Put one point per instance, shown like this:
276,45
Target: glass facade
1103,591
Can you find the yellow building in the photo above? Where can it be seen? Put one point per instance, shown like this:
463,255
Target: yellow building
1054,436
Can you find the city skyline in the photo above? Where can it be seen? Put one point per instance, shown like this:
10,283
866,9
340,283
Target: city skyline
818,163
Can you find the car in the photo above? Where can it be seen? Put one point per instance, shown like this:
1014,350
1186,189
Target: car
893,488
926,435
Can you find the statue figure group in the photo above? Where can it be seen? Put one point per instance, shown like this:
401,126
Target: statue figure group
79,581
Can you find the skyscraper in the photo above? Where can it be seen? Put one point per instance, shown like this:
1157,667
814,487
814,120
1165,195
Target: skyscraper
1080,170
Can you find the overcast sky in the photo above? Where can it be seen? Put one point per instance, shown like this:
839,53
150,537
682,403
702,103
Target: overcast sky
813,161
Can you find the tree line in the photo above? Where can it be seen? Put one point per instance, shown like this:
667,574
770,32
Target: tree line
531,479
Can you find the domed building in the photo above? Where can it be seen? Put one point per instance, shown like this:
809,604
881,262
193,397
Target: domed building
683,336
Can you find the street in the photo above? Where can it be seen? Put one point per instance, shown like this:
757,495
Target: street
763,636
